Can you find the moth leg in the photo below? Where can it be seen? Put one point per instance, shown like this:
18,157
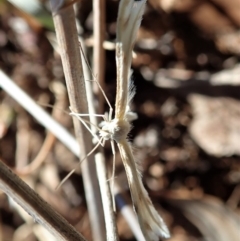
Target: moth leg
73,170
78,116
82,115
113,174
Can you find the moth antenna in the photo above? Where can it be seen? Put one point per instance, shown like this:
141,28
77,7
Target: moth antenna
85,58
98,84
105,97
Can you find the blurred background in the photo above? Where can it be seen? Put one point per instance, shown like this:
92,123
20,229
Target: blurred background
187,136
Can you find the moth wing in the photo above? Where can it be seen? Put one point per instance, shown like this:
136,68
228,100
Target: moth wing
128,22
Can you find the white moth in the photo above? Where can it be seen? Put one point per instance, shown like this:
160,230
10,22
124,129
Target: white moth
128,22
129,19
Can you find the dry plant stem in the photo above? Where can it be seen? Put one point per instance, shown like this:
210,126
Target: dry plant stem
99,70
33,204
110,222
38,113
50,138
64,21
98,51
127,211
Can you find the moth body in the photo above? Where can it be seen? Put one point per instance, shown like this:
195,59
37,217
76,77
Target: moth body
115,129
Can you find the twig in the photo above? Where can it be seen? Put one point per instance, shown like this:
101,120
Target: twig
33,204
98,51
40,158
127,211
60,97
99,69
110,222
64,21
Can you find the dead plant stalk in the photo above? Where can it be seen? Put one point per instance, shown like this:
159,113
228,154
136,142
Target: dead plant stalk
66,31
